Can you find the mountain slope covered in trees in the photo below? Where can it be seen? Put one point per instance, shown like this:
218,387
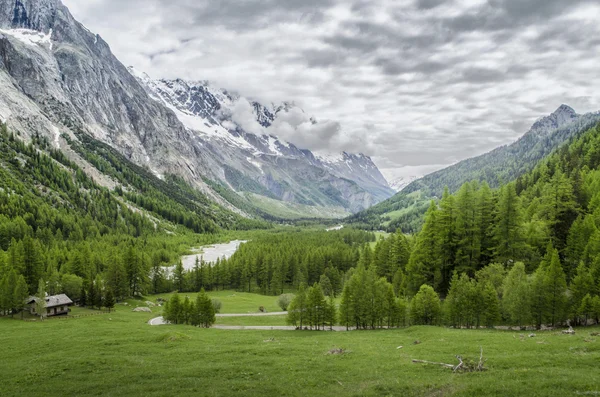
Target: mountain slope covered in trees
58,225
499,166
526,253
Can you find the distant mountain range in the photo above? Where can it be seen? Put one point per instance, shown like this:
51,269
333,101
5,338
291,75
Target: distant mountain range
283,170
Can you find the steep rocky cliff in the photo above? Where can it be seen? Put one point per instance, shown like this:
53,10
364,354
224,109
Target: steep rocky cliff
57,77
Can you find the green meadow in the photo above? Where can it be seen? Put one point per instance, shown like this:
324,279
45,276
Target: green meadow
118,353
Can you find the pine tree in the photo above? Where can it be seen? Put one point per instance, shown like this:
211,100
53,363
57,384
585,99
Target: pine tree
8,298
445,233
172,311
467,230
32,262
109,299
425,306
507,233
117,279
179,277
425,265
516,298
326,285
586,308
559,206
315,307
40,301
556,285
346,312
186,310
20,295
205,309
330,312
491,306
297,309
582,285
485,218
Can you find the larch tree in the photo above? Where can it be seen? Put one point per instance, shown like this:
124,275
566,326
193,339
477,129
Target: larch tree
20,295
507,232
425,265
425,307
516,297
40,301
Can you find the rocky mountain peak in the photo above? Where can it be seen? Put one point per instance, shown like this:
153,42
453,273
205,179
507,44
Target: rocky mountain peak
562,116
28,14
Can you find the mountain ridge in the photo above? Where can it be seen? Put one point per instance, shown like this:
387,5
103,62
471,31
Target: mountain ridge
58,78
501,165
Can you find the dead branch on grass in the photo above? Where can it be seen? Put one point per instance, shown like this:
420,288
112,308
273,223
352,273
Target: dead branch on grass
464,365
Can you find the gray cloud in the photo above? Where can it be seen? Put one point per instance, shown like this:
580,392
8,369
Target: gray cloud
418,84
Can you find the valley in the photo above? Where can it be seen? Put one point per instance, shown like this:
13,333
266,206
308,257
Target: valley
224,228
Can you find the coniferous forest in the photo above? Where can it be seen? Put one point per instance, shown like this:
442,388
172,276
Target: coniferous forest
523,254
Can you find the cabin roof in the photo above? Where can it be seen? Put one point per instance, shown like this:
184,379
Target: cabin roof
53,301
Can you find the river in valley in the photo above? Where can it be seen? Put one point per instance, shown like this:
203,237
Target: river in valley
210,253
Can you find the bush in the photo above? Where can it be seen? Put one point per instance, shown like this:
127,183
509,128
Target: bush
284,301
217,305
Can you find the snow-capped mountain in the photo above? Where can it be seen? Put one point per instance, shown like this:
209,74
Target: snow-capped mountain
401,182
244,129
57,78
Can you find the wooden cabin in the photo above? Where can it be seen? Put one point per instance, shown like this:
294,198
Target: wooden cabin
55,305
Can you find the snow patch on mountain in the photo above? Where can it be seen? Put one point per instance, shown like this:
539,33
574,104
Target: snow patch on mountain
30,37
329,157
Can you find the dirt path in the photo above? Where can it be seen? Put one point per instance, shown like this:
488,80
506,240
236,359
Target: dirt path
270,327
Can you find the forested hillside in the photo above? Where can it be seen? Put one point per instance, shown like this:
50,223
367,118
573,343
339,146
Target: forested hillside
498,167
58,225
524,254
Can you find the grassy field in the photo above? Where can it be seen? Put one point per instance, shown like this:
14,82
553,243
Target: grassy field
233,301
266,320
120,354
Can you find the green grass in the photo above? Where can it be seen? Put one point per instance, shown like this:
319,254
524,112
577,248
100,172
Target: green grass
119,354
233,301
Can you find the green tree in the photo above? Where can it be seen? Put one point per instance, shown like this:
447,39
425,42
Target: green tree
117,278
172,310
582,285
346,308
71,286
326,285
491,305
556,285
425,264
507,233
586,308
467,230
425,306
40,301
516,298
297,310
109,299
20,295
206,309
284,301
32,262
315,307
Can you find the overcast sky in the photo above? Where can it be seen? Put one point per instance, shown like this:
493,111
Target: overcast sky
416,84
